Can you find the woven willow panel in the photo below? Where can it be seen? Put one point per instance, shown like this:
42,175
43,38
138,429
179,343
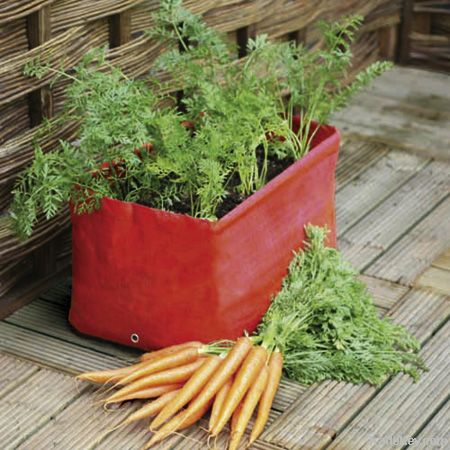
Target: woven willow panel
429,34
61,31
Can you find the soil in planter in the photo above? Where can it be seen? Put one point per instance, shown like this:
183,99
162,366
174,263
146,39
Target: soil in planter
274,167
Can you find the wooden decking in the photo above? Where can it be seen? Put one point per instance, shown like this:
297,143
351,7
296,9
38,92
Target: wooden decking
393,212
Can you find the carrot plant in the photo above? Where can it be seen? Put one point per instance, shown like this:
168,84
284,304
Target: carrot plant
234,119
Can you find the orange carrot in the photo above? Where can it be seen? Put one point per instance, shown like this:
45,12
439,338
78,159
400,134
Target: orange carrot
223,373
235,417
170,350
188,392
190,420
152,408
275,371
167,362
171,376
181,421
150,392
218,403
247,374
105,376
248,405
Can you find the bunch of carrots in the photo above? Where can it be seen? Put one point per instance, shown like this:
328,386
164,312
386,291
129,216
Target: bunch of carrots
187,380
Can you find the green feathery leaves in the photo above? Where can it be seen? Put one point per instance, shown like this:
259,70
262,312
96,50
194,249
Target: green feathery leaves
218,146
324,321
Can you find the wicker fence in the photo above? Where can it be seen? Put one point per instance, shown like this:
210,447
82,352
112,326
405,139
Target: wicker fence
61,31
426,34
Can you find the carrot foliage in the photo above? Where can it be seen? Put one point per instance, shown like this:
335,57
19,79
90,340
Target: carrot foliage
234,108
325,322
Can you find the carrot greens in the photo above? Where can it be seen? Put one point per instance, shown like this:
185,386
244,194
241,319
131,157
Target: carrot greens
325,323
212,150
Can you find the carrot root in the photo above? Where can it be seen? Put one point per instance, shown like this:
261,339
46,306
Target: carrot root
245,377
235,418
185,382
109,375
144,394
151,408
167,429
175,375
169,361
275,369
192,387
218,403
247,406
223,373
169,350
179,422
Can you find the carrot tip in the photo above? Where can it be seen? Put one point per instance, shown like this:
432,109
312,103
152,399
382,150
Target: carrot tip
207,441
155,424
105,407
84,377
155,439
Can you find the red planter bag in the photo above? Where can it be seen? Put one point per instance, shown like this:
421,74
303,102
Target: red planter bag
151,278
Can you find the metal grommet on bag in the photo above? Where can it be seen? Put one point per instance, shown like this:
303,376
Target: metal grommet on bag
134,338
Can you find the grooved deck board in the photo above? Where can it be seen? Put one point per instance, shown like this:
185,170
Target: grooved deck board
405,84
389,221
417,249
88,423
50,318
197,439
374,185
411,114
385,294
443,261
354,158
323,410
134,436
435,278
261,445
436,434
287,393
13,373
24,411
88,428
79,426
52,352
396,411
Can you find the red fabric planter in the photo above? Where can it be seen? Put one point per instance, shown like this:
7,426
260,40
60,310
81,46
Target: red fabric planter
151,278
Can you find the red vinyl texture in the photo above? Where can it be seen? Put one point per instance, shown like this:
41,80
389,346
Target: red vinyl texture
171,278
